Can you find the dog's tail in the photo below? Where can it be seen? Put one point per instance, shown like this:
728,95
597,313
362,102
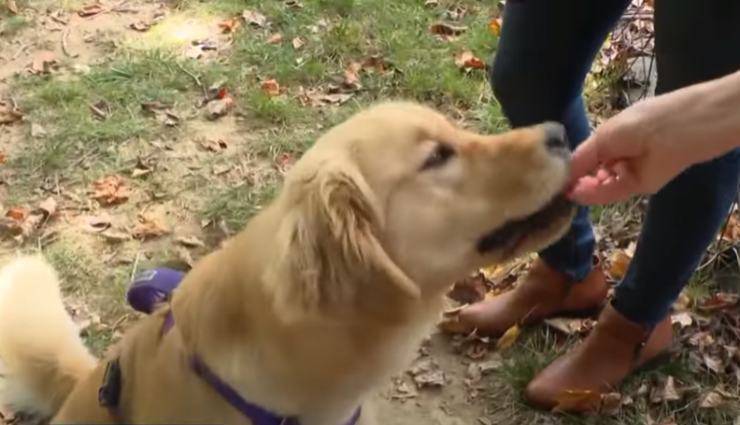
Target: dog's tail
41,353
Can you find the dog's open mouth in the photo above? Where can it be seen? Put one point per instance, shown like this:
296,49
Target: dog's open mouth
512,234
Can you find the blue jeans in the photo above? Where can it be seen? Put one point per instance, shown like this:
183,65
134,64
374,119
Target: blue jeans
545,51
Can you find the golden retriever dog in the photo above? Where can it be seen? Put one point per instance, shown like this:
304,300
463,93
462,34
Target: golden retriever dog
323,295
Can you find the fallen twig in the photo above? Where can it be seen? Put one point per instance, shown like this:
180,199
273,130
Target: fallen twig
65,49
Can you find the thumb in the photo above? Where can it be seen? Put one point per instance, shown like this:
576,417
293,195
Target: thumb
584,159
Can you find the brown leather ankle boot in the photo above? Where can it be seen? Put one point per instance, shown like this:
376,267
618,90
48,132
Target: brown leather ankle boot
543,293
613,350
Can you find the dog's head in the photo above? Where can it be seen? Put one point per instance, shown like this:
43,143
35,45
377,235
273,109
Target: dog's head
398,197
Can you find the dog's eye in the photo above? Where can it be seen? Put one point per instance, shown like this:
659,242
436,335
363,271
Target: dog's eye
441,154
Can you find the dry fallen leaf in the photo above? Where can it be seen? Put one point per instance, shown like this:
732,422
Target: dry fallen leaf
298,42
140,26
217,108
683,319
12,6
254,18
570,326
3,158
351,77
276,38
97,223
495,26
190,241
508,338
43,61
618,264
610,403
469,290
17,213
214,145
48,206
148,227
453,325
9,114
427,373
667,393
711,400
229,25
577,401
270,87
467,60
719,301
447,31
111,190
90,10
713,363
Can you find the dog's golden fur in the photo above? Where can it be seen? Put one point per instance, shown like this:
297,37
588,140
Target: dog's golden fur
319,299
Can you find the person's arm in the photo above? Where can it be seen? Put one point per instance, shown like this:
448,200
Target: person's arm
642,148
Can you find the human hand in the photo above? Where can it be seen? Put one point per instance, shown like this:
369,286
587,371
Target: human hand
642,148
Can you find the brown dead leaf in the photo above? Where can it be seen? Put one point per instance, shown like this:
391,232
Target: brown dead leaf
214,145
43,61
719,301
577,401
508,338
228,26
254,18
495,26
447,31
90,10
12,6
427,373
682,318
711,400
115,236
285,161
467,60
9,114
17,213
140,26
148,227
713,363
270,87
217,108
111,190
48,207
351,76
298,42
668,392
732,230
570,326
97,223
611,403
3,158
101,110
618,264
190,242
276,38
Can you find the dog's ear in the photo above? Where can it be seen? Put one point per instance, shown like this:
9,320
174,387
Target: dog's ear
328,244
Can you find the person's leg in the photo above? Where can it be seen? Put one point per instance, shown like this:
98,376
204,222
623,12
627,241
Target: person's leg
545,51
695,41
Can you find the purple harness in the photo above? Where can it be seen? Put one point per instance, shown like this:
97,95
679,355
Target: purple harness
154,287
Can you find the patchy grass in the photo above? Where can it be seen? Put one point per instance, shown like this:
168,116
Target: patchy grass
226,188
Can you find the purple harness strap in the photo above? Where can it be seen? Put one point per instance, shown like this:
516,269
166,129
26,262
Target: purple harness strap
153,287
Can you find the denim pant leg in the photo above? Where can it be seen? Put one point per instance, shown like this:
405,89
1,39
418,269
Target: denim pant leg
545,51
695,41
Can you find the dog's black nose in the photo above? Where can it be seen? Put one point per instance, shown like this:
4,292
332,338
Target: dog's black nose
555,137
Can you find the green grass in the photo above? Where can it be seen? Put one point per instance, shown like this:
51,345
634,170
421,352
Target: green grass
235,205
12,25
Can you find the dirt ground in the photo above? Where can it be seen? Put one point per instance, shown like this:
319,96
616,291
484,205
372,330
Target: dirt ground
187,191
